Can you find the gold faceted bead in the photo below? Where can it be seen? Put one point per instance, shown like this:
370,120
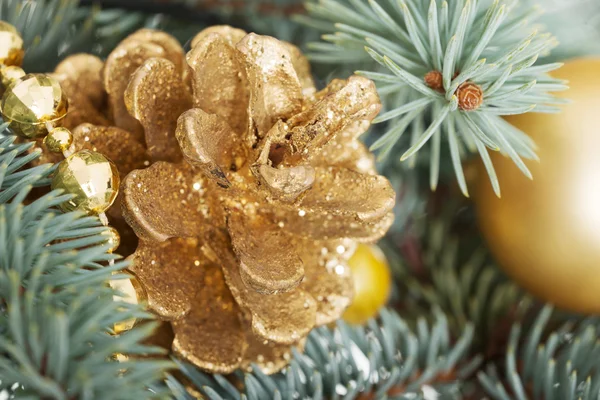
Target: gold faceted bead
58,140
113,238
91,178
129,291
33,103
10,74
11,45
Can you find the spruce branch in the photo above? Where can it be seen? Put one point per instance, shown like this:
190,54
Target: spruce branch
56,308
445,71
383,358
560,364
455,274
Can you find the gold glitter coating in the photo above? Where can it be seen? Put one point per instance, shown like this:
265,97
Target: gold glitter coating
32,103
183,209
302,68
91,178
115,143
247,236
310,130
327,276
282,318
121,63
219,80
347,151
11,45
208,143
156,97
275,91
267,261
84,73
269,356
81,106
231,34
171,272
173,50
58,140
211,334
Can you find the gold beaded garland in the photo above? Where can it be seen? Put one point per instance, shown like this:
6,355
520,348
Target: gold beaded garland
93,180
113,239
131,292
11,45
9,74
58,140
33,104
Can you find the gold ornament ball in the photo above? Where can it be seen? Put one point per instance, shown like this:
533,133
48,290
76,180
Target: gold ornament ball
91,177
372,283
129,291
545,233
112,238
11,45
58,140
32,104
10,74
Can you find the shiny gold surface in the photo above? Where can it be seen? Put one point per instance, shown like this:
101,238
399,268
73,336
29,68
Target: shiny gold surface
120,64
58,140
208,143
11,45
247,236
156,97
372,283
32,102
545,233
91,178
113,239
219,79
129,291
84,72
275,90
10,74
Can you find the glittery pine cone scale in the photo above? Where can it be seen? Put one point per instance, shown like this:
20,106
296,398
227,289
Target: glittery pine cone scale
257,192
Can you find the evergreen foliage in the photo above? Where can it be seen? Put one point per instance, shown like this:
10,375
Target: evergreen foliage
400,42
560,364
56,309
383,358
57,312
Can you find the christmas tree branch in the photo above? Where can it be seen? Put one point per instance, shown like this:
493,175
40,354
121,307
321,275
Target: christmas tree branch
384,357
56,308
445,70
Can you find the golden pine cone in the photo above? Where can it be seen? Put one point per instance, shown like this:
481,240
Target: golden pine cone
257,192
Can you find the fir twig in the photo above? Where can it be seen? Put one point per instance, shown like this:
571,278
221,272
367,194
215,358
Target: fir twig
452,69
563,366
383,358
56,309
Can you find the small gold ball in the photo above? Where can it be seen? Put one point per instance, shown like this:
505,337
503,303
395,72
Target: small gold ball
10,74
372,283
131,292
113,238
91,177
58,140
11,45
33,103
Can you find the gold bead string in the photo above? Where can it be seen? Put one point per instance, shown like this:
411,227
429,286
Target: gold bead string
34,106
